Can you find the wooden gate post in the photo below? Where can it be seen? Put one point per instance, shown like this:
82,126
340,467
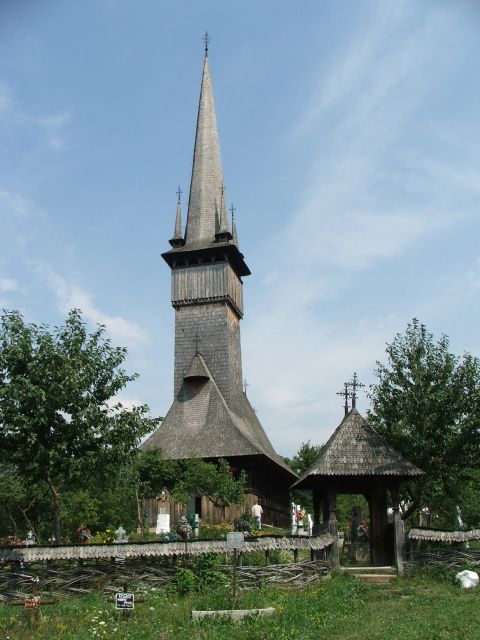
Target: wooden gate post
317,507
398,534
333,527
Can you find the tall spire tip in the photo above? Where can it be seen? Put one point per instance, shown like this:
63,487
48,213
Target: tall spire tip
206,39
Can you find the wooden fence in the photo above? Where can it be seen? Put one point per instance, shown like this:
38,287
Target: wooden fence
22,554
81,569
450,558
66,578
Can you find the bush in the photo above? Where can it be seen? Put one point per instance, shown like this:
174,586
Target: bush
215,531
205,574
246,523
208,570
186,581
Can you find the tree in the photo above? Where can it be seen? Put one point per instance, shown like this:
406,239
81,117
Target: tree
59,422
23,505
216,481
301,461
12,495
427,405
148,473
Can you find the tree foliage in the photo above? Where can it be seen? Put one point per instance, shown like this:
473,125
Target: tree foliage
59,423
426,403
150,473
301,461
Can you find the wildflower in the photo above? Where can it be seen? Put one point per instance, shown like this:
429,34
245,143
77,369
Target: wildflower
102,622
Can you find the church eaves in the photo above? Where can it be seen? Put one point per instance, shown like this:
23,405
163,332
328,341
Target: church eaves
201,424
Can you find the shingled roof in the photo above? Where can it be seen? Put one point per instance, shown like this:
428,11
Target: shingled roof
355,449
201,424
207,212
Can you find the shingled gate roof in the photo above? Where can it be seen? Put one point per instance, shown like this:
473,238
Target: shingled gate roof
201,424
355,449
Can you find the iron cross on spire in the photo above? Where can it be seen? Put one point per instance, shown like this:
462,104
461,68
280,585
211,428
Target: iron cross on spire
232,210
179,194
355,384
197,340
345,394
206,39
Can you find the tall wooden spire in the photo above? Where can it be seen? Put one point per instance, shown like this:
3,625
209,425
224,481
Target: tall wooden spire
207,198
211,416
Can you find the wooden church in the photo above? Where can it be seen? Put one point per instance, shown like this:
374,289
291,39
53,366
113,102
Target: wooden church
211,416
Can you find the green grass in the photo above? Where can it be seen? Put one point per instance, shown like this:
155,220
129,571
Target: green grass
418,608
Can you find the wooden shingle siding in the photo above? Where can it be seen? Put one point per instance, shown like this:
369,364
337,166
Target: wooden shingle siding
204,283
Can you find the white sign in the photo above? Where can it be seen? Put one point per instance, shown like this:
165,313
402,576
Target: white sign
124,601
235,540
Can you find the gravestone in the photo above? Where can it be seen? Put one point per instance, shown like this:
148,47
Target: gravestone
121,536
163,513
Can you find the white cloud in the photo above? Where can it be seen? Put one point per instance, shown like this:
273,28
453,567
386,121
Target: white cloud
376,189
8,284
13,204
54,126
366,198
51,126
70,296
295,366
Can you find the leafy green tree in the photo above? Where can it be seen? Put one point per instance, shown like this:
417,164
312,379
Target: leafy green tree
57,422
23,505
426,403
12,495
216,481
79,507
151,473
148,473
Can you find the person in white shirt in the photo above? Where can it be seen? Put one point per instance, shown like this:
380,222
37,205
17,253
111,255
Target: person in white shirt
257,512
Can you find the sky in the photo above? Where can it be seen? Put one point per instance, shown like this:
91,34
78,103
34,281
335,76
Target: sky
350,137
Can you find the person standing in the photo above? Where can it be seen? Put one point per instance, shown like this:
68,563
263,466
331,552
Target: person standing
257,512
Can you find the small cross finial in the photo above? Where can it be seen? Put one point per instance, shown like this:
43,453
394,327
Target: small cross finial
232,210
197,340
206,39
345,394
179,194
245,385
355,384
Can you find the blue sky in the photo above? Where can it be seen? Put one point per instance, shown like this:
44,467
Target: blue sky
351,148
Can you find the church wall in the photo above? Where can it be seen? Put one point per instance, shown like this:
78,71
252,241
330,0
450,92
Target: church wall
218,331
212,515
206,283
